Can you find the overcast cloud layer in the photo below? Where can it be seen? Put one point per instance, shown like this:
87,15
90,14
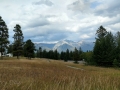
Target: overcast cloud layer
54,20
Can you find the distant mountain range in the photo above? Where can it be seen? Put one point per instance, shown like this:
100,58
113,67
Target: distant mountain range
65,44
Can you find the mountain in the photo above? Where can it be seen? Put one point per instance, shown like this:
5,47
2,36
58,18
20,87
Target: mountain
47,46
85,46
65,44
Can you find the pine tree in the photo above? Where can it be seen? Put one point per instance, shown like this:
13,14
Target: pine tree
80,52
104,49
71,55
29,49
3,36
115,63
76,55
56,55
96,52
51,54
37,54
67,55
44,53
62,55
101,32
40,52
117,50
10,49
18,41
110,48
100,46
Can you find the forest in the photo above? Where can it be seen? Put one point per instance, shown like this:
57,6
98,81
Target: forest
106,51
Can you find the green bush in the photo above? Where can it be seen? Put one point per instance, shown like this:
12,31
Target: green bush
115,63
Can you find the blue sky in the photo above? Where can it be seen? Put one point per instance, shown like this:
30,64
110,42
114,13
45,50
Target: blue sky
54,20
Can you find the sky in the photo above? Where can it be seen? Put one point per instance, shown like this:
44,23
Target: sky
55,20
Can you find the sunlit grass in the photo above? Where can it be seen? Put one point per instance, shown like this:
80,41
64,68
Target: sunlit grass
42,74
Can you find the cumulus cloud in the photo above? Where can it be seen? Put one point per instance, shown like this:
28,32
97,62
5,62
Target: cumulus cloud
54,20
79,5
37,22
113,27
46,2
108,8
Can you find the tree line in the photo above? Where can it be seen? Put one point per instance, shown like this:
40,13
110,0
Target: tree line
54,54
106,51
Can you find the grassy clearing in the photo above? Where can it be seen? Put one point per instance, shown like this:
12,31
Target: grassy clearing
40,74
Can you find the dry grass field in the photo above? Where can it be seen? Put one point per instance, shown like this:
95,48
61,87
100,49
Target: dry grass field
40,74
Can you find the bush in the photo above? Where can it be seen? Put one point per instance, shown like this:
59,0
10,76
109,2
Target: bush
115,63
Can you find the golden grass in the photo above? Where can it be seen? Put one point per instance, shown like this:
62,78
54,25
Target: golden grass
40,74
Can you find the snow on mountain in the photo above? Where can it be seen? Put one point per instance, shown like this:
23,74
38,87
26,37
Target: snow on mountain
60,43
64,47
65,44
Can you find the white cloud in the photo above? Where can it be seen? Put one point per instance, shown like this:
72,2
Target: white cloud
116,26
79,5
108,8
84,36
46,2
53,20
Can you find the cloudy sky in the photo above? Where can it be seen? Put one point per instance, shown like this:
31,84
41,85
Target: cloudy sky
54,20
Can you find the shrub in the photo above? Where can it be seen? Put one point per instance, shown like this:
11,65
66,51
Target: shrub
115,63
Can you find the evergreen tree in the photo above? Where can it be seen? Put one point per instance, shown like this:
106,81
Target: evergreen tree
56,55
62,55
40,52
10,49
80,52
67,55
29,49
37,54
18,41
71,55
101,32
99,48
51,54
76,55
3,36
117,50
115,63
103,52
96,52
44,53
110,48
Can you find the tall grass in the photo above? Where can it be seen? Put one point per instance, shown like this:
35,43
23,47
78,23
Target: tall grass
55,75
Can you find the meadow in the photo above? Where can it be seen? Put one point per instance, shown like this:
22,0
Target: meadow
44,74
